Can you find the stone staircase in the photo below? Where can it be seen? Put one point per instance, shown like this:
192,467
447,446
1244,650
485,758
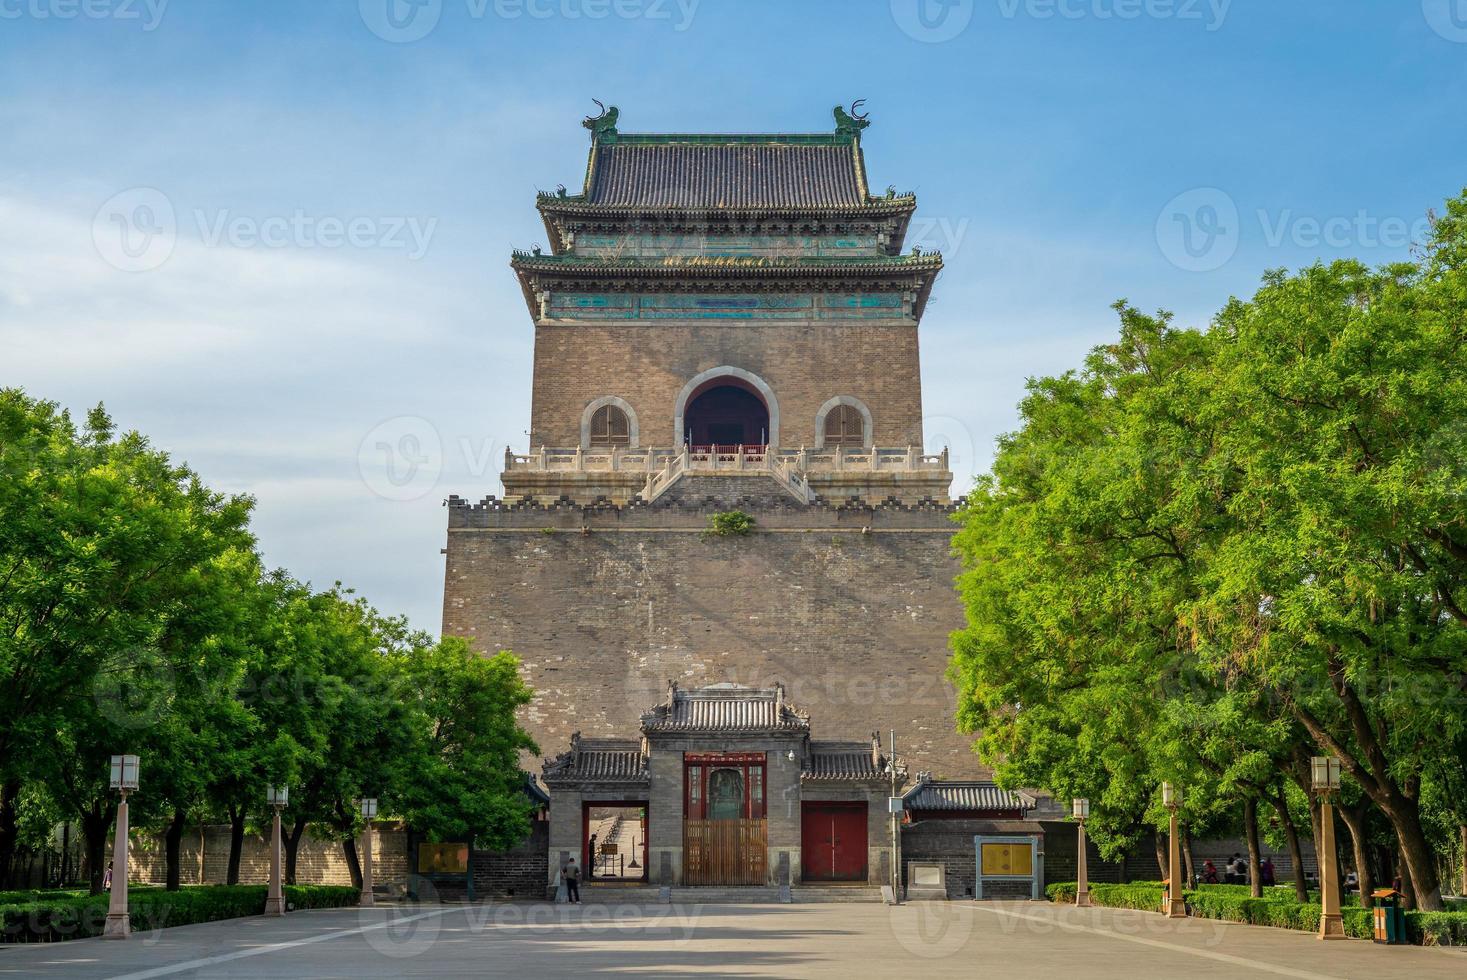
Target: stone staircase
714,895
809,894
757,491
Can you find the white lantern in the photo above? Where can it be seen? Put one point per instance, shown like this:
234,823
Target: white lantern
277,795
369,808
1081,808
125,772
1324,773
1171,795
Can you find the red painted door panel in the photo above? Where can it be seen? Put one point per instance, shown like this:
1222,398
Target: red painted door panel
833,841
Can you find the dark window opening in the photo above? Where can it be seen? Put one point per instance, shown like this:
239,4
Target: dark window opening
726,415
610,427
844,426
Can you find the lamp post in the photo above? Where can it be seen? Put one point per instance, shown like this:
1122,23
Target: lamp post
1176,906
369,811
125,780
1324,774
1082,888
894,805
277,797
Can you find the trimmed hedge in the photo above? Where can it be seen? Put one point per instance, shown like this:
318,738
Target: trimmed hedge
78,916
1144,896
1234,903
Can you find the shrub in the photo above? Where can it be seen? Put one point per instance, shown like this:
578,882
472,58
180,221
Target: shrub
321,896
1276,908
732,523
76,916
1437,928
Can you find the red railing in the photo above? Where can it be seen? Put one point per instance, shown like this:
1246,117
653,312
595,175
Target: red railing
727,454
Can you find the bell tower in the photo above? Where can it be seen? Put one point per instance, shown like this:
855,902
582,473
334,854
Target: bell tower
723,322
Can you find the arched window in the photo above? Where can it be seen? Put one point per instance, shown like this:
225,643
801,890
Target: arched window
844,426
610,428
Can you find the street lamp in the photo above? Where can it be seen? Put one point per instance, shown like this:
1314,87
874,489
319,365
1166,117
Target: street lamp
278,797
1082,888
1324,776
1176,906
369,811
124,780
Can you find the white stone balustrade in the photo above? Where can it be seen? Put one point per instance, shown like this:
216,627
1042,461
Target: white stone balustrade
791,461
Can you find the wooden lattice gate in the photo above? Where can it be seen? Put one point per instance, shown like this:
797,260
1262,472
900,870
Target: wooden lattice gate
725,852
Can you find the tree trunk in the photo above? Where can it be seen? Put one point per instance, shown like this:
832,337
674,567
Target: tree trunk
9,828
1464,859
349,845
172,850
236,842
1161,851
1403,871
95,824
1357,821
1187,857
1250,829
1371,770
292,845
1296,853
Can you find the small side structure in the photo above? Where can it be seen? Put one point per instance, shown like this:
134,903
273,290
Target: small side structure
724,787
977,834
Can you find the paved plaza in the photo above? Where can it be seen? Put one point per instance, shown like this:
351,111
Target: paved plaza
925,940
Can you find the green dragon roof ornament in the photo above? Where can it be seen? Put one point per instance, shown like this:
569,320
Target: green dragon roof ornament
851,123
604,124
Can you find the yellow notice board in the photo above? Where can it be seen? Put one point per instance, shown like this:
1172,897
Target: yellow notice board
1008,859
443,859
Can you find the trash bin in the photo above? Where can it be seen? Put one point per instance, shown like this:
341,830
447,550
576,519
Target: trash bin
1390,918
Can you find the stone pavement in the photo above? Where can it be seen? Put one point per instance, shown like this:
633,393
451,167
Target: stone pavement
922,940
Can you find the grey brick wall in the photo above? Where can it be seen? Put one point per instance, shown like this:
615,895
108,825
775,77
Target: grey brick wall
854,624
520,872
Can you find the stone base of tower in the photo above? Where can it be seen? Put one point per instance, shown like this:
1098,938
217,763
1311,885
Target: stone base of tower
849,606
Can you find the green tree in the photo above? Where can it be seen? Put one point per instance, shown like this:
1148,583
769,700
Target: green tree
462,781
1209,549
102,540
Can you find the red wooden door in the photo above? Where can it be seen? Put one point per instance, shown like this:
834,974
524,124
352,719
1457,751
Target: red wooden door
833,841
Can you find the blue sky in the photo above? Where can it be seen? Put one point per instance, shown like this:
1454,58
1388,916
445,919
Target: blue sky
343,201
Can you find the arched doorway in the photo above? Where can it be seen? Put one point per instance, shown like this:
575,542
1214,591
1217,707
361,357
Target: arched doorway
726,412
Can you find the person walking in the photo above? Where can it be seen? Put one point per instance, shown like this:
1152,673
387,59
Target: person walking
1265,872
573,882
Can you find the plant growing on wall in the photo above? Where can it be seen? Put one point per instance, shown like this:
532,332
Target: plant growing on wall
733,523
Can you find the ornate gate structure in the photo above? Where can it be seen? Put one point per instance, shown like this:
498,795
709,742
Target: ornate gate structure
725,838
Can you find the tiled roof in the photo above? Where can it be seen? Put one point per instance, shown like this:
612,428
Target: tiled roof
954,795
681,265
841,760
599,760
709,175
725,708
